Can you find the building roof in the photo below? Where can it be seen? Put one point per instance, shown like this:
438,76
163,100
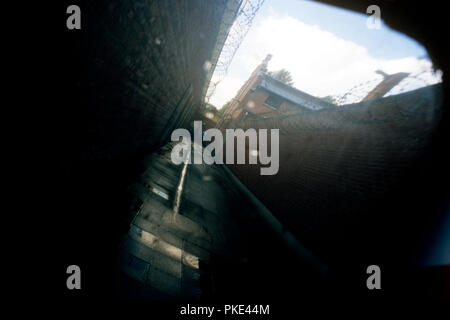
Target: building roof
292,94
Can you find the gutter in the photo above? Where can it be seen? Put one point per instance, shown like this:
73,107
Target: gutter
302,254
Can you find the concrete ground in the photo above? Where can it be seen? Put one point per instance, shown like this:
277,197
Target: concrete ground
216,247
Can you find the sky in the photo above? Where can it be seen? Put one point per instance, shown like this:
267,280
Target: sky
327,50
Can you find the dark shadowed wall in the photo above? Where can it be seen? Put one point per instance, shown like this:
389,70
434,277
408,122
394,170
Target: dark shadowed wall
354,182
113,92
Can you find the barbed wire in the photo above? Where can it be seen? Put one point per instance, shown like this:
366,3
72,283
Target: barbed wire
357,92
415,80
236,35
422,78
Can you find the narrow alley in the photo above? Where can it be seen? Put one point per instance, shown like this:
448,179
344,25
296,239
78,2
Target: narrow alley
194,253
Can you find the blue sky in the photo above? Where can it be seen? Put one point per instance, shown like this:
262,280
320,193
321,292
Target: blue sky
327,50
348,25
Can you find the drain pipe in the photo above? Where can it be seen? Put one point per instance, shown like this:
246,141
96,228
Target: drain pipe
303,254
179,191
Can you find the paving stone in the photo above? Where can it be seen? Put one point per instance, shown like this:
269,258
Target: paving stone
154,258
163,281
172,253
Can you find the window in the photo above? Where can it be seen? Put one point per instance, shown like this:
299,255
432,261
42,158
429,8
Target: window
274,101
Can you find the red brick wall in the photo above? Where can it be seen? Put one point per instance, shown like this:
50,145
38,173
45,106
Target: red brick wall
334,164
258,97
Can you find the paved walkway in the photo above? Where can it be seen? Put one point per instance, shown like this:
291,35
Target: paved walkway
216,244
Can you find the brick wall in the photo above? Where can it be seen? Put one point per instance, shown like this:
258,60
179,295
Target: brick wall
258,98
112,92
344,167
139,61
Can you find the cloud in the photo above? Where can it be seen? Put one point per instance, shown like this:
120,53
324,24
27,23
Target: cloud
321,63
226,90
